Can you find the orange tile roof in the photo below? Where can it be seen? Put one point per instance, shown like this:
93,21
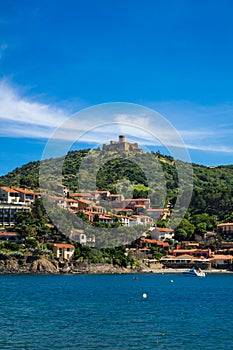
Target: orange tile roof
85,201
9,234
71,200
8,189
25,191
164,229
225,224
63,245
221,257
80,195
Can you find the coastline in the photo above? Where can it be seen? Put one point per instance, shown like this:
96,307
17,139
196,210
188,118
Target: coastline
42,264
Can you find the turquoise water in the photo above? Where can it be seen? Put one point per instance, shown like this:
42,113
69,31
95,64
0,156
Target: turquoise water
109,312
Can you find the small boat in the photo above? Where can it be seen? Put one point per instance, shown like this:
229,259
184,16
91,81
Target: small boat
195,272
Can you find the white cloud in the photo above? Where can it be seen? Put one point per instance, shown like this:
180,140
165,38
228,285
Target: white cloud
24,117
204,128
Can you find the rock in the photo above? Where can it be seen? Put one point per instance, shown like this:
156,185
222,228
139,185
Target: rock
43,265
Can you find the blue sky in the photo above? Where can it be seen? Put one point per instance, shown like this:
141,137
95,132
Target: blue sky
58,57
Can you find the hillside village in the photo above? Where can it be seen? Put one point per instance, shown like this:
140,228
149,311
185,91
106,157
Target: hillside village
156,245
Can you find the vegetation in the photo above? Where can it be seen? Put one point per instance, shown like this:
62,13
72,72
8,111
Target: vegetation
211,203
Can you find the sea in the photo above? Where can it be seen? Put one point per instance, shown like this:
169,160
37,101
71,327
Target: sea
116,312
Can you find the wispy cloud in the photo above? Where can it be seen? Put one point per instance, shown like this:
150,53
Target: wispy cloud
23,117
203,128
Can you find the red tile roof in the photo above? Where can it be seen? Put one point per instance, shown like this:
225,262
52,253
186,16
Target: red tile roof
221,257
8,189
63,245
164,229
25,191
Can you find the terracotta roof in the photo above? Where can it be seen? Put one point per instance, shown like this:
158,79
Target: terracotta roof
221,257
182,257
10,234
86,201
185,250
71,200
149,240
225,224
63,245
105,217
8,189
80,195
164,229
25,191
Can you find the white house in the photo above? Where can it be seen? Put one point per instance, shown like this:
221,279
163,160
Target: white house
63,250
143,220
78,236
10,237
9,195
162,233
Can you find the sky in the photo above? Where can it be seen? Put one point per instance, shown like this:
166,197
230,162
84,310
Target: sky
174,57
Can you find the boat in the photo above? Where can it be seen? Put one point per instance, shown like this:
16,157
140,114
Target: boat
194,272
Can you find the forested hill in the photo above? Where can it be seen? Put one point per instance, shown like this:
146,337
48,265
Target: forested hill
213,186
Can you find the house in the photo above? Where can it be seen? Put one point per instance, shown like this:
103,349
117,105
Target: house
63,250
132,222
7,213
143,220
206,253
123,211
78,236
63,190
81,195
173,261
105,219
115,198
144,242
124,220
143,203
98,194
225,230
184,261
9,195
162,233
221,261
71,204
210,236
59,201
188,244
27,196
10,237
157,214
85,204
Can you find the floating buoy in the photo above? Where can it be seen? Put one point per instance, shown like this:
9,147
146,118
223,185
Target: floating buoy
144,295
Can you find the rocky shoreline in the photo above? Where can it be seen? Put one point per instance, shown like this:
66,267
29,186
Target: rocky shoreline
46,265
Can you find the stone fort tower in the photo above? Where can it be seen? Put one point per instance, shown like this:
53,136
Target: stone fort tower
122,146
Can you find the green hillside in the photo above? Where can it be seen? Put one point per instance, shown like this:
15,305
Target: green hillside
212,193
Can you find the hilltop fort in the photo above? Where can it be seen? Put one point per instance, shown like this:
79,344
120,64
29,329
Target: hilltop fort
122,146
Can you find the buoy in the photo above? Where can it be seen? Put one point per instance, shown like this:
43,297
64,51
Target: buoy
144,295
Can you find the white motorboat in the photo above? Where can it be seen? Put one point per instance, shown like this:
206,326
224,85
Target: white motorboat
195,272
